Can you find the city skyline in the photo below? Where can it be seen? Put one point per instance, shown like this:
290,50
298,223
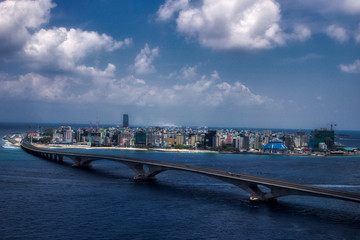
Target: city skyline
246,64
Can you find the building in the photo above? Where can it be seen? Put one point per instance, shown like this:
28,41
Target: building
246,142
140,139
210,139
150,141
169,142
257,144
180,139
275,146
68,136
289,142
125,120
322,135
124,139
322,146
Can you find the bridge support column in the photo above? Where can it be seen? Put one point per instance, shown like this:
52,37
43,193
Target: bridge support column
82,162
259,196
59,158
144,172
256,194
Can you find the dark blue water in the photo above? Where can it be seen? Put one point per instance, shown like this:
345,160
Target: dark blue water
45,200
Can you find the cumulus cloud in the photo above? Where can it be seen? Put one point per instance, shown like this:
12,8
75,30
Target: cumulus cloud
232,24
351,68
94,72
168,9
18,18
189,72
338,33
186,73
144,60
22,37
104,87
350,6
208,91
64,48
35,87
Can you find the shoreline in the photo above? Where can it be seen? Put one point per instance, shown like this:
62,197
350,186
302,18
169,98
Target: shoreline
72,146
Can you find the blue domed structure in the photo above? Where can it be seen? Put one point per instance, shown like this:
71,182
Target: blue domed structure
275,146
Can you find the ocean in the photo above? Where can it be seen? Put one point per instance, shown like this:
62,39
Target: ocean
40,199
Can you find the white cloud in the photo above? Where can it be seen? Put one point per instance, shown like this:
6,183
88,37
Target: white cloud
102,87
93,72
17,17
208,91
33,86
232,24
64,48
186,73
189,72
143,61
167,10
300,33
357,35
351,68
350,6
338,33
57,48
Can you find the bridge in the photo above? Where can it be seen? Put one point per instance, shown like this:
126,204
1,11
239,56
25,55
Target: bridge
146,170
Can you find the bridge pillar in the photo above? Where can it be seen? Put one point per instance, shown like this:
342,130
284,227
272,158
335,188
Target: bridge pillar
144,172
81,162
256,194
60,158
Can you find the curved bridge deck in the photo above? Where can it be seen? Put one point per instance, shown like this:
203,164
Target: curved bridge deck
148,169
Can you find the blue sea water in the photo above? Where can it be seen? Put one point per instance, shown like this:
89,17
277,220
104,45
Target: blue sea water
40,199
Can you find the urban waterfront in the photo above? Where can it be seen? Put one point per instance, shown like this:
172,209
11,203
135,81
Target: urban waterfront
318,142
42,199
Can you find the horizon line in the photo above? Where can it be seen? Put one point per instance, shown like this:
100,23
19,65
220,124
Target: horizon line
175,126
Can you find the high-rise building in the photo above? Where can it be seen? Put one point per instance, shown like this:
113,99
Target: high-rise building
140,139
125,120
257,144
322,135
210,139
68,136
180,139
246,142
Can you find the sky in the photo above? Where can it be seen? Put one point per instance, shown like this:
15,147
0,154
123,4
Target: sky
230,63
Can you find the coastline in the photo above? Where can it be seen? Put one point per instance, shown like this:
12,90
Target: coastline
11,140
73,146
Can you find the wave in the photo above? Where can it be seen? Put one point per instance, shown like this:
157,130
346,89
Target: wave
8,145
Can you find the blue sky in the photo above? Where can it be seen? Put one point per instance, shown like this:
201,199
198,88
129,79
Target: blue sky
233,63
